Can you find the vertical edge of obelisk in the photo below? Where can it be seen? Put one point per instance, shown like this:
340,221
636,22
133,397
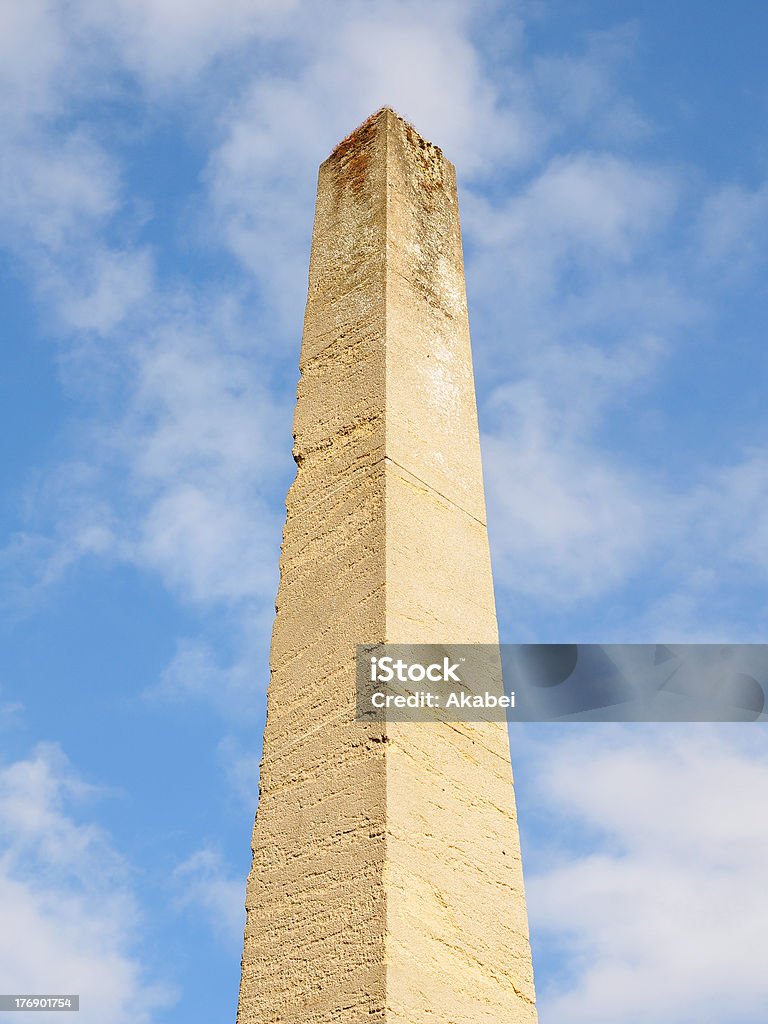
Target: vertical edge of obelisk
314,940
456,918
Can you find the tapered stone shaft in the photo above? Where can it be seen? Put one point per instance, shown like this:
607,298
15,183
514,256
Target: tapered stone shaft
386,883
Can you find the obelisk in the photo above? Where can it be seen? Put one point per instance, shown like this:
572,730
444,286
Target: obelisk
386,883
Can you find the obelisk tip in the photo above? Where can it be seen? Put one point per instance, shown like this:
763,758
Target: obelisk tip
379,117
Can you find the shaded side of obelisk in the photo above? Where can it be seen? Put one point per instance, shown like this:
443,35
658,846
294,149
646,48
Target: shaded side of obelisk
386,883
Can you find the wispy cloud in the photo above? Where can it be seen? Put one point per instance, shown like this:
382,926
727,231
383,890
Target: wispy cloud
731,228
203,883
658,911
69,916
234,681
591,267
580,298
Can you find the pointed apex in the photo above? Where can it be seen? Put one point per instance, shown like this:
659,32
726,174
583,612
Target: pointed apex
383,116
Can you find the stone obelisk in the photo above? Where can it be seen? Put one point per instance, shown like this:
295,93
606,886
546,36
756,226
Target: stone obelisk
386,883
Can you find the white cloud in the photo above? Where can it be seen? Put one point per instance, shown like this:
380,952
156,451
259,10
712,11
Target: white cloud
58,189
167,43
234,685
204,884
416,57
595,202
181,484
660,909
69,917
38,554
420,59
584,215
182,472
34,41
575,305
567,518
577,316
731,228
730,510
579,89
697,612
208,548
564,522
111,283
242,767
198,445
194,448
9,712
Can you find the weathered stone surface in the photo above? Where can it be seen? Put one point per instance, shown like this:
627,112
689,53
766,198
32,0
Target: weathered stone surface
386,883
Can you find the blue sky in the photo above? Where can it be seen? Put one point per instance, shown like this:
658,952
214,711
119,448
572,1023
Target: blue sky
157,182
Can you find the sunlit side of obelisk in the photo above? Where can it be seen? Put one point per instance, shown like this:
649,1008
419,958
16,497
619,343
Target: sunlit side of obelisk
386,883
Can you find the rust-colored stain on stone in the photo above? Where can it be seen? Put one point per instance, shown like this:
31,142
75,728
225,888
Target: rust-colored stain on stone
386,883
352,155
